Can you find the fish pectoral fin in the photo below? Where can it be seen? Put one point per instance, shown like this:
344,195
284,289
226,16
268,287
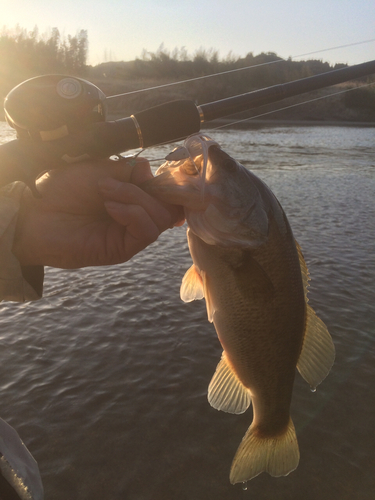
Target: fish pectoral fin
277,455
226,392
318,352
192,285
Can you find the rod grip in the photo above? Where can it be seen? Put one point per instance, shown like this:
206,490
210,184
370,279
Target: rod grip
168,122
161,124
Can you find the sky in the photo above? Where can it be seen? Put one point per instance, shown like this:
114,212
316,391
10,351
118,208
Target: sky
121,30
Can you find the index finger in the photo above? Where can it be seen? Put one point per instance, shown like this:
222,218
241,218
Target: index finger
137,172
133,170
130,194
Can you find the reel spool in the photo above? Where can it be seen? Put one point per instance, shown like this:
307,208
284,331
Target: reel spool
49,107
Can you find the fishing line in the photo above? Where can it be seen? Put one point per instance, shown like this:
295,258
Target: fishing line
176,155
248,119
333,48
292,106
180,82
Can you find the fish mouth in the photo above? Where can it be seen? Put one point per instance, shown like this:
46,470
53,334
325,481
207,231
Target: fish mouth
172,187
186,181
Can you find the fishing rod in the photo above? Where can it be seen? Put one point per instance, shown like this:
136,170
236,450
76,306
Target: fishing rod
61,120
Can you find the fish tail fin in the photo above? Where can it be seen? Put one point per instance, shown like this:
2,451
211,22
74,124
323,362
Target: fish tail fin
277,455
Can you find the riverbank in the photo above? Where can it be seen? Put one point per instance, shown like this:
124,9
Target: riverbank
249,124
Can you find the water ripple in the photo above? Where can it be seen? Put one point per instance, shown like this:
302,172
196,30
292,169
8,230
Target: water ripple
106,377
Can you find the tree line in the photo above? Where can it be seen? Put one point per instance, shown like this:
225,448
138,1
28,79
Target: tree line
177,65
236,75
24,54
180,64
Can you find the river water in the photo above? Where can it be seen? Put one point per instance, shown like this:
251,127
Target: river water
106,377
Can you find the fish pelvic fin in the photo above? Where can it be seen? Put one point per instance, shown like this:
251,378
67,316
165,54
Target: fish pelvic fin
277,455
318,352
192,285
226,392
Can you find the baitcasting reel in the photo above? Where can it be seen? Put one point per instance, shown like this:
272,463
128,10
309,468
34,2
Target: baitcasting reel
49,107
62,119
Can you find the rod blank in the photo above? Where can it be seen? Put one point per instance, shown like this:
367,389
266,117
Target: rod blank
250,100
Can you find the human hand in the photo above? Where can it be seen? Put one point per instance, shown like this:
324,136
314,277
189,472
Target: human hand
90,214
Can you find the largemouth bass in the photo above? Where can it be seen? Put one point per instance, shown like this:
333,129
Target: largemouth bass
251,272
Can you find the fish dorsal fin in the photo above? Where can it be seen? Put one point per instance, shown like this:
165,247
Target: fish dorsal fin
318,352
191,286
226,392
304,271
194,286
